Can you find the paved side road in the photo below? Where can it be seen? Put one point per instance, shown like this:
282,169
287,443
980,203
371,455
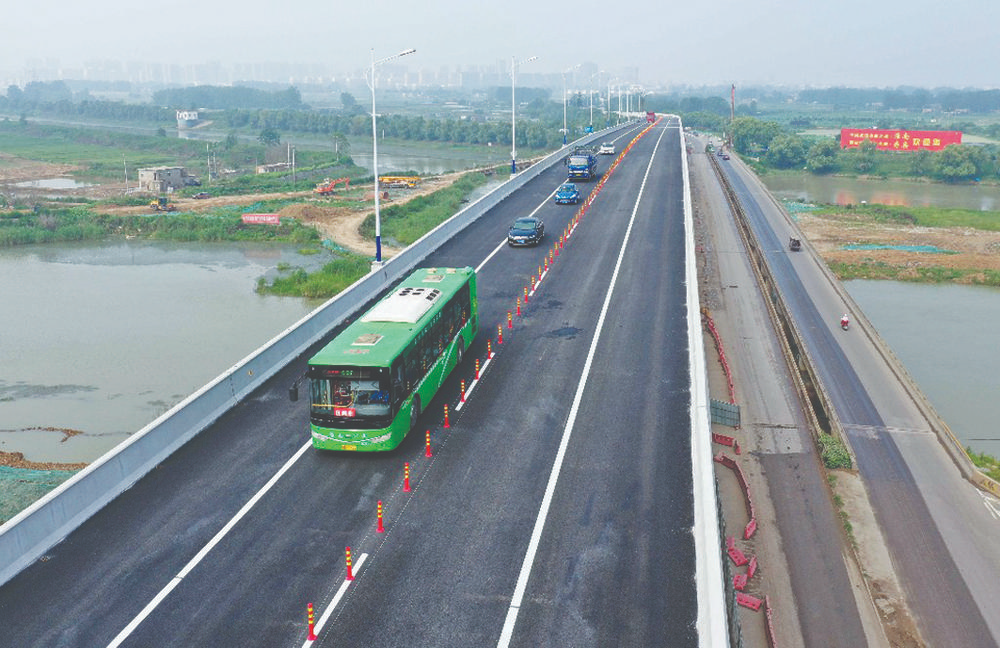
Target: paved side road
799,542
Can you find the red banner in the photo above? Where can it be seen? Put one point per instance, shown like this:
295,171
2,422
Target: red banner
899,140
261,219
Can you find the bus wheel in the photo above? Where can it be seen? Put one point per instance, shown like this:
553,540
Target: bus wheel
414,412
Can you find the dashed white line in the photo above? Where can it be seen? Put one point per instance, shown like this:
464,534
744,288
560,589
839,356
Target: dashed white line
336,599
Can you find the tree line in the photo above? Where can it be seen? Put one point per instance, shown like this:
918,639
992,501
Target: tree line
779,149
273,112
912,99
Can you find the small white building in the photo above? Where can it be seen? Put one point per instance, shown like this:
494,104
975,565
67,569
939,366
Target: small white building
159,180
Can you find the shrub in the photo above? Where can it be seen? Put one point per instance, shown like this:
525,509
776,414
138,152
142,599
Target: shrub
834,453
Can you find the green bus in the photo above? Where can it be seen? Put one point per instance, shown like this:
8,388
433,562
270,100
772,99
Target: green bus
368,385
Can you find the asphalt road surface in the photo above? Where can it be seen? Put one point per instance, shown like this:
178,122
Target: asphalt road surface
879,418
556,508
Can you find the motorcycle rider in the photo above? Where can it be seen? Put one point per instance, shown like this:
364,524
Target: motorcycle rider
844,322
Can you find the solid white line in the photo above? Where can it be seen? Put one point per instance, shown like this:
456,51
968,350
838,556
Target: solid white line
175,581
504,241
336,600
482,371
529,557
487,259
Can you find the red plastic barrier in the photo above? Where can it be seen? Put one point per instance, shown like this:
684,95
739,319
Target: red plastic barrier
740,580
747,601
737,556
727,441
729,462
769,611
722,353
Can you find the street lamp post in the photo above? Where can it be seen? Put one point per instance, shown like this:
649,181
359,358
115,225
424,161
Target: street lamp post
598,73
565,129
607,122
378,220
513,107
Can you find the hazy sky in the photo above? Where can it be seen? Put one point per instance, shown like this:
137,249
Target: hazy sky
850,42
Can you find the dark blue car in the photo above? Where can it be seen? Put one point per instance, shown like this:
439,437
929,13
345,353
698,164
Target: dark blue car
526,231
567,194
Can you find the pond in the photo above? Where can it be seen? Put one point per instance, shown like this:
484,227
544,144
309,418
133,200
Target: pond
100,339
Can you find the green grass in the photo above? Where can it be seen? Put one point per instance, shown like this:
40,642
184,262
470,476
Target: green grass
921,216
988,464
877,270
327,282
98,152
834,453
400,223
404,224
838,502
81,224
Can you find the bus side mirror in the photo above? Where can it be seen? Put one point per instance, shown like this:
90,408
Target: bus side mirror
293,392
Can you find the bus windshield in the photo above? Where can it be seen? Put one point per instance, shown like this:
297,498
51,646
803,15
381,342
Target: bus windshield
349,393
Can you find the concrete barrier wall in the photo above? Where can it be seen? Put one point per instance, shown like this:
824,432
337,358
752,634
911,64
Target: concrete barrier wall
33,531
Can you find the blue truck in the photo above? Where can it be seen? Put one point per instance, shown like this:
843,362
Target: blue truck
581,164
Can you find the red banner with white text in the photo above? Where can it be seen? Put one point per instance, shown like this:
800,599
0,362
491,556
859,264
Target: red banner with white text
899,140
261,219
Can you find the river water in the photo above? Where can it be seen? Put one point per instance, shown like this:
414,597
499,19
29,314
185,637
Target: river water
100,339
945,336
836,190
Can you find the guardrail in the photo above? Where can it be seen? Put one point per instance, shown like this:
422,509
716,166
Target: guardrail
34,530
822,414
807,381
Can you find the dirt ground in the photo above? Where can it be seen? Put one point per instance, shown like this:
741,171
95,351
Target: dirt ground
15,169
969,249
336,217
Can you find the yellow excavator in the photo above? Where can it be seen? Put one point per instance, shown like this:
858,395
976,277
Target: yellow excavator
161,204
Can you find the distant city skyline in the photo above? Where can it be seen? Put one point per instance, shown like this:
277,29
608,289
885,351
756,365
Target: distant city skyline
886,43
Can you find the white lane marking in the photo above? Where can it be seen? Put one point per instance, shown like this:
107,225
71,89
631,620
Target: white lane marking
336,599
529,557
992,505
175,581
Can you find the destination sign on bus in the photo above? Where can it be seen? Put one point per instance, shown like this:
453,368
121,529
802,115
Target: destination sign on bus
345,412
